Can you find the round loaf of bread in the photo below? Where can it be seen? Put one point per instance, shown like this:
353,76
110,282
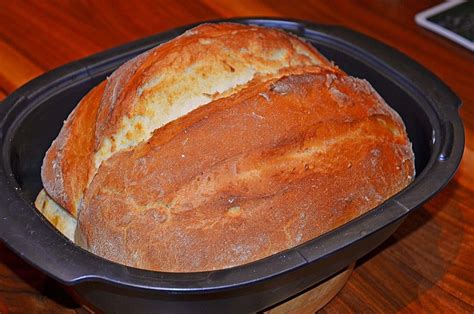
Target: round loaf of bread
201,155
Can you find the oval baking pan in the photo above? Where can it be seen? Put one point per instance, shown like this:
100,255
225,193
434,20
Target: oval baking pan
31,117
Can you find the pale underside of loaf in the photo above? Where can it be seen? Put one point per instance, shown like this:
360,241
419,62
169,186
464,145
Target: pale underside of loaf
60,218
247,176
204,64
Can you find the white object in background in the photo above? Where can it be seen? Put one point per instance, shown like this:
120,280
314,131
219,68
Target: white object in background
423,19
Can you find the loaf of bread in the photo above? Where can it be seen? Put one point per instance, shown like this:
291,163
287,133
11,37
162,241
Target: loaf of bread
223,146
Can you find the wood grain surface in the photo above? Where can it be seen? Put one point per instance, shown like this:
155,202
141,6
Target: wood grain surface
426,266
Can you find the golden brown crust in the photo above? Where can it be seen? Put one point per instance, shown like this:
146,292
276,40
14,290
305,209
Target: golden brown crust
205,63
246,176
66,166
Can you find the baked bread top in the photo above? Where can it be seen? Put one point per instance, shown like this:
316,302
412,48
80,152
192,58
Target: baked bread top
204,64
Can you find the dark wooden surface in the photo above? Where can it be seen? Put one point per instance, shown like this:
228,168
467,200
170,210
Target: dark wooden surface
426,266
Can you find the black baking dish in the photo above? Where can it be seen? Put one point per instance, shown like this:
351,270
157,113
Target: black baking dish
31,117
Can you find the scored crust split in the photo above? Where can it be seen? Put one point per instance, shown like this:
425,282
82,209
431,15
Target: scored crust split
225,145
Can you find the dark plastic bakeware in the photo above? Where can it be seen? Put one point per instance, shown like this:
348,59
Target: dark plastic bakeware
31,117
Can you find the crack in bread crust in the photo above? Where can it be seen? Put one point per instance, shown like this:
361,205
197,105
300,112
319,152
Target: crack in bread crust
162,96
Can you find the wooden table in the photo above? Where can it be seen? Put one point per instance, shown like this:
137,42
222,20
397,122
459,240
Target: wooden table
425,266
